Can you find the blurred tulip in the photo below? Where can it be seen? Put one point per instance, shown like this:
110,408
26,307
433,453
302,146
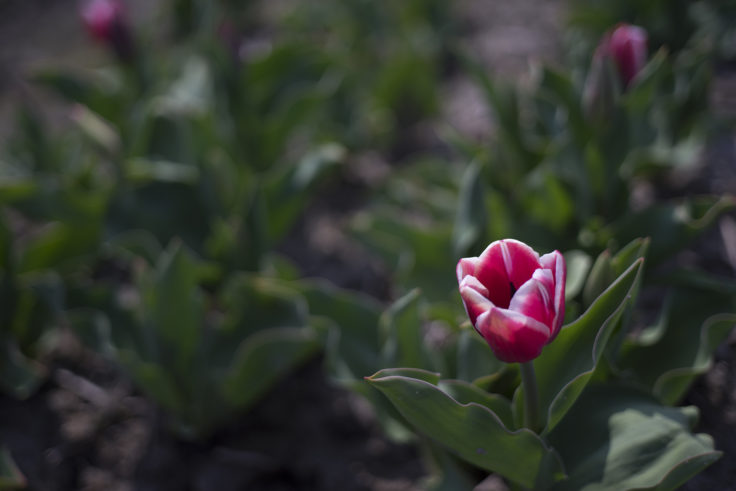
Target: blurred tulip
105,20
628,47
619,57
514,298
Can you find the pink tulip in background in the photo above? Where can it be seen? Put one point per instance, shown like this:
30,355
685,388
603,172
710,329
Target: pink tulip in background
627,45
105,20
515,299
100,17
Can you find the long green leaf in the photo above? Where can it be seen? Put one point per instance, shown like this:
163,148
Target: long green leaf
472,431
567,364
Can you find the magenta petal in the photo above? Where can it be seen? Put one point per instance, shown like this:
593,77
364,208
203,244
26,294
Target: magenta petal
466,267
513,337
535,298
628,46
518,259
493,276
555,262
475,303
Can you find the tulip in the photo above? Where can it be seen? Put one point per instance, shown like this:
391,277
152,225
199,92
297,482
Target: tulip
514,298
106,23
626,45
618,59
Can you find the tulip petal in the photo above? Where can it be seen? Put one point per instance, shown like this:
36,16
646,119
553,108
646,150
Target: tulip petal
512,336
555,262
535,298
474,301
518,259
493,276
466,267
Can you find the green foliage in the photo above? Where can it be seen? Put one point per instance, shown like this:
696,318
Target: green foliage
472,430
600,431
204,365
10,476
624,439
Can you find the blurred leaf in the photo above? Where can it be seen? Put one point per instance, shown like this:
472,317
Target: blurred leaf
189,95
252,304
353,349
401,328
144,170
96,129
475,360
447,472
288,192
472,431
39,300
667,357
578,265
157,383
19,375
58,242
263,359
671,226
616,438
567,363
10,476
174,308
471,221
607,268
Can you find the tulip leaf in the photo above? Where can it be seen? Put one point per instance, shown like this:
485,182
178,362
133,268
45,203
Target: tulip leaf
617,439
19,375
472,216
285,193
256,303
671,225
465,393
567,363
401,326
668,356
61,242
263,359
607,268
353,347
10,477
578,264
154,381
174,307
475,361
447,472
471,430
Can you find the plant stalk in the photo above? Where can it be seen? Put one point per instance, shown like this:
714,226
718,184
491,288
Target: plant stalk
531,397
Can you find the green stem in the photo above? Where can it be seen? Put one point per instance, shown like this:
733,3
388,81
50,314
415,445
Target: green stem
531,397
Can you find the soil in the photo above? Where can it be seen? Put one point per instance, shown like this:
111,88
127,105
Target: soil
88,429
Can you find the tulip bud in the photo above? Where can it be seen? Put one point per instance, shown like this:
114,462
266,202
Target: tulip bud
514,298
106,23
619,57
628,47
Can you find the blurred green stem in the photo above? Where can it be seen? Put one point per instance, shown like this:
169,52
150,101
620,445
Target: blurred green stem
531,398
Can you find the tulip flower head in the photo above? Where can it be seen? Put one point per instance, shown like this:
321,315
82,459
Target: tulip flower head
627,46
106,23
514,298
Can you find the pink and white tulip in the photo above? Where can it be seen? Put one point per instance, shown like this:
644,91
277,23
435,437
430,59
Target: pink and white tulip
515,299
